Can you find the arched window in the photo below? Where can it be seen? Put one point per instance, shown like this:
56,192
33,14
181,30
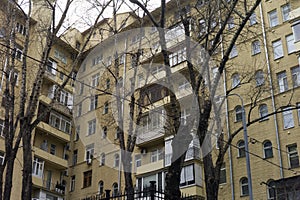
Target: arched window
238,113
268,151
271,189
235,80
115,191
104,132
241,149
263,111
117,160
100,187
244,186
259,78
102,159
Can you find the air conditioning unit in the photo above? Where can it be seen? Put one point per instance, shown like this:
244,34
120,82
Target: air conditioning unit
89,161
143,151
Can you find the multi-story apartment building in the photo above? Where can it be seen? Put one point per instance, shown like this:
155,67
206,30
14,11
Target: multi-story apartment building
263,69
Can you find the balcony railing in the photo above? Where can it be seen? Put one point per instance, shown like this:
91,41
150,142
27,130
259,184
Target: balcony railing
55,187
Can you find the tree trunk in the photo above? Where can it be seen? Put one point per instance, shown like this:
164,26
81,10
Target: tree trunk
172,188
1,181
9,176
211,183
126,160
27,169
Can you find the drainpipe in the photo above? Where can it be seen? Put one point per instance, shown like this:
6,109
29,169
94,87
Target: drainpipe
271,88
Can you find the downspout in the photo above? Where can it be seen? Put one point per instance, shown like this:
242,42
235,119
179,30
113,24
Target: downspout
271,88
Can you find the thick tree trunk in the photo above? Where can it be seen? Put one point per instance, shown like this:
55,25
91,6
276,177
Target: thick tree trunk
126,160
211,182
1,181
9,177
172,188
27,169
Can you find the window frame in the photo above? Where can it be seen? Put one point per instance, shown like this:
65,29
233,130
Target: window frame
285,10
238,113
241,149
263,111
282,81
255,47
259,78
294,155
91,127
268,148
72,183
273,15
277,48
287,114
253,19
102,159
290,43
295,71
223,178
87,178
116,160
243,184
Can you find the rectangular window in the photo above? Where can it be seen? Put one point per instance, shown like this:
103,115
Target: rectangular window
157,155
94,102
2,156
52,149
293,156
282,81
138,160
230,23
296,76
1,128
290,43
87,179
185,114
273,18
285,9
89,151
252,19
255,47
51,66
288,119
223,174
95,80
60,122
61,56
37,167
187,176
75,157
234,52
19,53
277,49
72,184
79,109
177,57
296,30
92,127
298,111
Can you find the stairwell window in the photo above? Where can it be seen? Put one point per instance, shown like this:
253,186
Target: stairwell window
238,114
293,156
268,150
277,49
244,186
290,43
282,81
296,76
288,119
255,47
273,18
285,10
241,149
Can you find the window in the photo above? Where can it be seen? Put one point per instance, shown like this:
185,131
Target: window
89,151
105,108
87,179
115,191
230,23
290,43
138,160
271,189
187,175
19,53
107,84
255,47
277,49
60,122
252,19
293,156
61,56
273,18
117,160
79,109
263,111
296,76
244,186
268,150
177,57
52,149
1,128
296,30
102,159
282,81
37,167
92,127
259,78
72,185
288,119
75,157
95,80
94,102
2,157
238,114
97,60
235,80
20,28
184,86
202,27
285,9
234,52
51,66
223,174
81,88
298,106
241,149
104,132
156,69
101,187
156,155
185,113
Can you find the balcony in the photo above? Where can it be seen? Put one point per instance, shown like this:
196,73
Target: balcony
56,161
150,167
54,131
57,188
57,106
149,136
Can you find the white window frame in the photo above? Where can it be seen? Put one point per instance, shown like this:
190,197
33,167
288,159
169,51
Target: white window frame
187,175
72,183
277,49
91,127
290,43
185,114
267,148
38,167
292,154
273,18
60,122
298,111
270,186
252,19
138,160
288,118
156,155
89,151
256,47
223,169
233,52
52,66
296,31
263,111
95,80
2,157
285,11
296,76
177,56
244,185
282,81
93,102
1,128
102,159
241,148
259,78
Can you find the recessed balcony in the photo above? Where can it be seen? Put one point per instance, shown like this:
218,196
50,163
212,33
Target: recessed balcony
54,131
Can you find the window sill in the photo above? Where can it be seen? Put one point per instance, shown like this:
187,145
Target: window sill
239,157
244,195
277,59
288,128
268,157
254,54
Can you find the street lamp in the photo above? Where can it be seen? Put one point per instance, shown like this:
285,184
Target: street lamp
246,146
